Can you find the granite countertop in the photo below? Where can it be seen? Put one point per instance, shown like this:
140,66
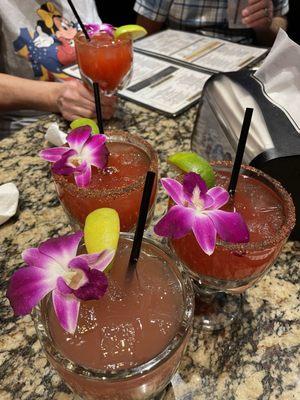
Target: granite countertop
256,358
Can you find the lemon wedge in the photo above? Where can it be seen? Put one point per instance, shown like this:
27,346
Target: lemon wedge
101,231
134,31
77,123
192,162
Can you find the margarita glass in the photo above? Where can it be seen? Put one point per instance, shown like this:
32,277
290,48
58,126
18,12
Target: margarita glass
128,344
221,277
104,60
119,185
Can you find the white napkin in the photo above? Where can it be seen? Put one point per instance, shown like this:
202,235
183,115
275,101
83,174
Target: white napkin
280,76
55,136
231,100
9,198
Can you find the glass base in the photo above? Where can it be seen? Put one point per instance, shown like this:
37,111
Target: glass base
162,395
216,310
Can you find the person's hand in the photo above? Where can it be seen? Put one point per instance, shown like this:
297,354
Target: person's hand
258,14
74,100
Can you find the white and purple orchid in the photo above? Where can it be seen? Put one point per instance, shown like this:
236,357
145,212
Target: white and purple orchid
85,150
95,28
197,209
55,267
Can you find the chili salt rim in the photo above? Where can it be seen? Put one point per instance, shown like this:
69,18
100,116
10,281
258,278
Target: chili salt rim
288,206
125,137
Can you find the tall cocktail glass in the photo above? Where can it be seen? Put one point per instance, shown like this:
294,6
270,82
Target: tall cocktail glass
269,212
128,344
104,60
118,186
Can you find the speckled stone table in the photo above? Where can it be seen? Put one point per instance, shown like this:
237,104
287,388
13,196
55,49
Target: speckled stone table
256,359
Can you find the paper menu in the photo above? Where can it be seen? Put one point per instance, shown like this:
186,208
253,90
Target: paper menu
198,51
164,86
159,85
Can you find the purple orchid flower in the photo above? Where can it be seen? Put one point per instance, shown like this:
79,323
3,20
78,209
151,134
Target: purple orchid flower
54,267
197,209
95,28
84,151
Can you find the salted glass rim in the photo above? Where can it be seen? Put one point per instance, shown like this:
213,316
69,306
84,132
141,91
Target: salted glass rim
287,203
173,345
93,192
119,42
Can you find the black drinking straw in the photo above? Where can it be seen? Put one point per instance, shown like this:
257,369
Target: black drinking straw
98,107
138,236
240,151
78,19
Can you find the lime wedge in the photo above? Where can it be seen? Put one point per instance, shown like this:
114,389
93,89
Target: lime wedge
77,123
134,31
101,231
192,162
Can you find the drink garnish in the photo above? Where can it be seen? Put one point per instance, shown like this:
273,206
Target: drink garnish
133,31
197,209
102,231
192,162
92,29
79,122
84,151
54,266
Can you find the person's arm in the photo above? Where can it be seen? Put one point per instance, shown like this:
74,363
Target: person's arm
70,98
148,24
259,15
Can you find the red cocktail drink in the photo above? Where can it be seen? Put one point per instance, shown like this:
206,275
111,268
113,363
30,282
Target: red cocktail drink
269,214
128,344
104,59
118,186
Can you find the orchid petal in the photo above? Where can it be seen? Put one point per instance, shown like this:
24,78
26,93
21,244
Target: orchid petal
205,233
28,286
108,28
62,167
174,190
34,258
99,261
63,287
206,200
62,249
80,263
230,226
95,287
219,195
66,308
95,152
176,223
77,137
53,154
192,180
83,179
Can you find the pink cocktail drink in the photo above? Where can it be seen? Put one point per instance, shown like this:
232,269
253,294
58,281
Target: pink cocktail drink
268,212
128,344
104,59
117,186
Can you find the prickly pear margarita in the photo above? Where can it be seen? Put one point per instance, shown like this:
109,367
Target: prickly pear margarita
104,59
128,344
118,185
268,212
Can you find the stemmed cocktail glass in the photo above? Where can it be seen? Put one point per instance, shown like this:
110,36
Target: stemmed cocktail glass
105,60
220,278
